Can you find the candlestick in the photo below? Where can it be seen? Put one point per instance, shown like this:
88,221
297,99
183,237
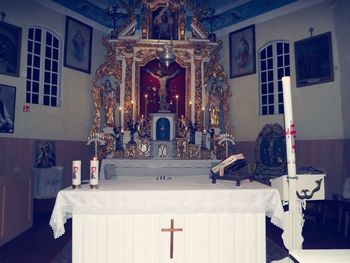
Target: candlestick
94,173
120,116
146,102
76,174
203,121
177,105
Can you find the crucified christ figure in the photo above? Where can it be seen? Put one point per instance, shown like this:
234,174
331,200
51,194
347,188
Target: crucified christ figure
163,79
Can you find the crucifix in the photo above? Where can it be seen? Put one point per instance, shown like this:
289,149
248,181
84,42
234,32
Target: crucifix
171,230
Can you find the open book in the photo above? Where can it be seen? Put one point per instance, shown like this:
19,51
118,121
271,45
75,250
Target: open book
234,160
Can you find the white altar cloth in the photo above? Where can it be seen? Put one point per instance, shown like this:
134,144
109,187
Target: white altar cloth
180,195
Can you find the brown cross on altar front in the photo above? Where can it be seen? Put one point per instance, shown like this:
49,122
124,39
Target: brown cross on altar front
171,230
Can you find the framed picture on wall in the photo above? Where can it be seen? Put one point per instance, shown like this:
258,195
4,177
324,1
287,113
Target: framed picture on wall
7,108
314,60
45,154
77,48
10,49
242,52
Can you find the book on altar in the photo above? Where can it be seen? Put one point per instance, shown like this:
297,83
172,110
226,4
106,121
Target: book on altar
227,162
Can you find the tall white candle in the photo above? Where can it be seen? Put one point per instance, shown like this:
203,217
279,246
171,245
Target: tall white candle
293,233
76,174
94,173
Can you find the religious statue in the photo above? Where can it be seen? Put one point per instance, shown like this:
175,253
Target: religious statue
117,134
162,92
163,25
132,126
214,104
110,103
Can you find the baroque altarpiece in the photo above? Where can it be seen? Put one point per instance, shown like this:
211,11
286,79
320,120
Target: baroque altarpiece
161,91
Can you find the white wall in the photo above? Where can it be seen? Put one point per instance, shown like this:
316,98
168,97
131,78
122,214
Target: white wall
318,108
73,120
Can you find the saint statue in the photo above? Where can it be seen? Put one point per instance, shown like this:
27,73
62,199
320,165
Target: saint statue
214,104
110,103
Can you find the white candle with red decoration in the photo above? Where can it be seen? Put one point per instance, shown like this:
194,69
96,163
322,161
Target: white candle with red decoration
94,173
76,174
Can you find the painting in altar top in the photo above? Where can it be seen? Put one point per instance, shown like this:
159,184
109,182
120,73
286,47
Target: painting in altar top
164,24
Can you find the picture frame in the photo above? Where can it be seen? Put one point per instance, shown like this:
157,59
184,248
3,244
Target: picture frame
7,108
78,45
242,52
10,53
314,60
45,154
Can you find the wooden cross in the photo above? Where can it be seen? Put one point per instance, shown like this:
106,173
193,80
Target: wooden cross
171,230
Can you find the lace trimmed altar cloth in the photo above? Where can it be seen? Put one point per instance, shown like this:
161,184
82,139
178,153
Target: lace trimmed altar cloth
130,195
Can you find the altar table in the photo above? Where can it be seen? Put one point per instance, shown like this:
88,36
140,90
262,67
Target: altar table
184,219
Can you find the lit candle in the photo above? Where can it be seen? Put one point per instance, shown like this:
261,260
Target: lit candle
132,110
94,173
190,111
76,174
120,116
146,102
177,105
203,122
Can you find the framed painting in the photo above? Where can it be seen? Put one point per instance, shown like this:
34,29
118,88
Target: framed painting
7,108
45,154
314,60
10,49
77,48
242,52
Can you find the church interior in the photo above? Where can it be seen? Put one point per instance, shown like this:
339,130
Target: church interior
171,86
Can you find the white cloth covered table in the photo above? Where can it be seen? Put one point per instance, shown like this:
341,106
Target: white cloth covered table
146,199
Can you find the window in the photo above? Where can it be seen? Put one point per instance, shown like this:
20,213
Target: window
274,64
43,67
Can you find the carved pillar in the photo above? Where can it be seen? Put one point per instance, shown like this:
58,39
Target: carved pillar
198,91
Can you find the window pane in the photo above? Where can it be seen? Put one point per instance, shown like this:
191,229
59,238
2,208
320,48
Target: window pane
29,73
271,87
263,65
47,64
280,109
270,99
53,101
48,52
279,48
55,42
54,90
270,63
54,78
263,77
269,51
280,73
54,66
279,61
46,89
286,60
264,100
29,60
280,97
38,34
28,85
286,48
271,109
37,48
287,71
30,33
48,39
27,97
264,110
270,75
263,54
47,77
279,86
46,100
264,89
35,98
37,61
36,74
55,54
36,87
30,46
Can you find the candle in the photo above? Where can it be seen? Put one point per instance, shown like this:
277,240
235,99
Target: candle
120,116
203,122
132,110
146,102
177,105
190,111
76,174
94,173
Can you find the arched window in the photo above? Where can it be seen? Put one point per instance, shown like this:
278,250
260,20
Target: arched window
44,63
274,63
